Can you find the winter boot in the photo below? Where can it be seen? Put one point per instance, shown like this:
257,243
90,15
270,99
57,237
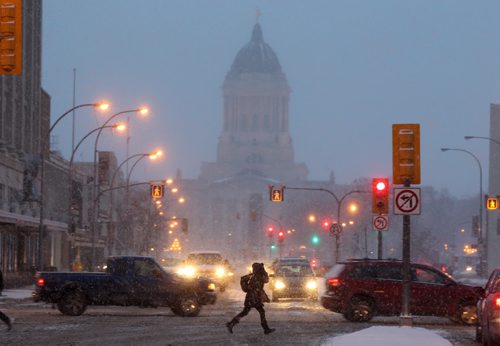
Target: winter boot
266,328
269,330
230,325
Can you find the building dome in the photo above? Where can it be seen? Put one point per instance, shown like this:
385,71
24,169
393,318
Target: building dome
255,57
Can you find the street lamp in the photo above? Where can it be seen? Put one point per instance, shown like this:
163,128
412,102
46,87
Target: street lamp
119,127
480,137
480,236
94,216
44,147
487,215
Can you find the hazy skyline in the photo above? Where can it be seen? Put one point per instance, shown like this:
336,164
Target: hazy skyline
355,68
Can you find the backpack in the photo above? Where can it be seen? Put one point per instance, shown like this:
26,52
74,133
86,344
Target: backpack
245,282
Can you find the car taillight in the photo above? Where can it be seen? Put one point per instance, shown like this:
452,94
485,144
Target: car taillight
40,282
497,302
333,281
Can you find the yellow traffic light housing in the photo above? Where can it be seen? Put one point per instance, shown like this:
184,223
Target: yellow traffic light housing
492,203
157,190
276,194
380,195
11,35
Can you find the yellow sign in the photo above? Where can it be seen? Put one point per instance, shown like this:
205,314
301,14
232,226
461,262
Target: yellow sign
11,45
157,190
492,203
405,153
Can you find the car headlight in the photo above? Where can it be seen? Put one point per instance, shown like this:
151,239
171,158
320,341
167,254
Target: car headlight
211,286
220,272
279,285
311,285
187,271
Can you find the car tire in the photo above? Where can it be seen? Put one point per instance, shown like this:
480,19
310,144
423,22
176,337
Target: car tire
360,309
467,314
187,306
72,303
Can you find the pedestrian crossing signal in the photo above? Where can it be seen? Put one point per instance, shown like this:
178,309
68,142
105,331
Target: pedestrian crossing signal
276,194
157,190
492,203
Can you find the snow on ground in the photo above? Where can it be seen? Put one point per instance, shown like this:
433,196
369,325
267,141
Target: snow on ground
389,336
18,293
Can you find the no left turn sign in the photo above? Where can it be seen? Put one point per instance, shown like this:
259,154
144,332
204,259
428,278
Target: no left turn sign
407,201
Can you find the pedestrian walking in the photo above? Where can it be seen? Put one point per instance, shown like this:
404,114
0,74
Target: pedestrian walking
253,285
3,316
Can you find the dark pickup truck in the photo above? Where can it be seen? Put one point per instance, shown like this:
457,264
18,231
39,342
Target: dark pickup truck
128,280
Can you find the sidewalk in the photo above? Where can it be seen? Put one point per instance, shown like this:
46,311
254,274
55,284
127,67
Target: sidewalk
17,293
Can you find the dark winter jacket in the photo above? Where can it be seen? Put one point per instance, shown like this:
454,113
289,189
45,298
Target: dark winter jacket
256,295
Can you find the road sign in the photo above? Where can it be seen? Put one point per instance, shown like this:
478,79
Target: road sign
335,229
380,222
405,153
407,201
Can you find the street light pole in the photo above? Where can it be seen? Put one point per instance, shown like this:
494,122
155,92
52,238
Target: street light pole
96,185
70,169
152,155
487,214
44,147
480,235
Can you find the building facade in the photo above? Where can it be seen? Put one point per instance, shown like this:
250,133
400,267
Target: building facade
229,207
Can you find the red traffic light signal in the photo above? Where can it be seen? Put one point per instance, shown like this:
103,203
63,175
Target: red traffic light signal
270,232
314,263
380,195
281,236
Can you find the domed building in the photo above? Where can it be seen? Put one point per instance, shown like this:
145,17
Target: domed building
255,138
228,206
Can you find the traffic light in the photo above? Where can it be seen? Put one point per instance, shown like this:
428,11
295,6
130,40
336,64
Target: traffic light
11,37
281,236
270,231
325,224
315,239
157,190
276,194
273,247
380,195
314,263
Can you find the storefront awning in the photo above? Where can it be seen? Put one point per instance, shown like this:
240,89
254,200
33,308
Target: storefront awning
29,221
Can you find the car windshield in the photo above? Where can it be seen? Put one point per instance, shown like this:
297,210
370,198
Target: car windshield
294,270
204,258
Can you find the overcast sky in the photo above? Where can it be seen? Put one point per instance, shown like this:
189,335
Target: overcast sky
355,68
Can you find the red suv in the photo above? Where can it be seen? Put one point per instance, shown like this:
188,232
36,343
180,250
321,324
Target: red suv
361,289
488,327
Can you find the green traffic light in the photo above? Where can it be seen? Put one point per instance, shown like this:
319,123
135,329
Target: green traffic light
315,239
273,247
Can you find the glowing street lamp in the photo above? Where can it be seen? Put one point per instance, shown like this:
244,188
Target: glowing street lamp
45,151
